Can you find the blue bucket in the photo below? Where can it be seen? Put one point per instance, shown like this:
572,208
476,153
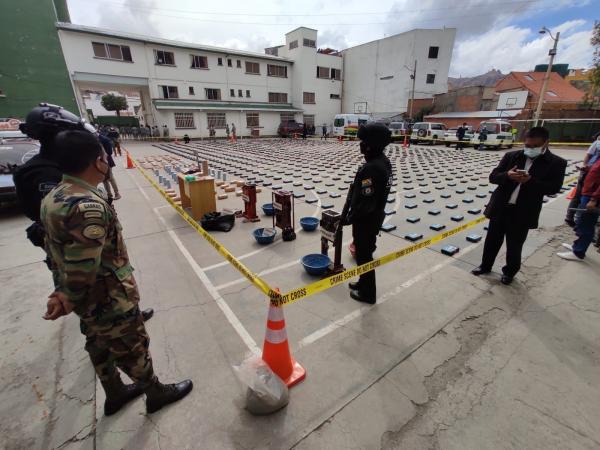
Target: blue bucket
268,209
264,236
309,223
315,264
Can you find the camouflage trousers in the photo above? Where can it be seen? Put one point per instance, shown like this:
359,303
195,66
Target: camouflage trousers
123,343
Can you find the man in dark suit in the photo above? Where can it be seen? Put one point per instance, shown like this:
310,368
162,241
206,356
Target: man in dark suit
523,178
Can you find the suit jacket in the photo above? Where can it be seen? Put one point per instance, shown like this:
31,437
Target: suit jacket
547,175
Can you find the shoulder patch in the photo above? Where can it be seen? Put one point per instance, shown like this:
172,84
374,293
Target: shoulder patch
92,214
366,182
94,232
90,206
46,187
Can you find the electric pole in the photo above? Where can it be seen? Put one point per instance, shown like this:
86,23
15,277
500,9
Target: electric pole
412,91
552,53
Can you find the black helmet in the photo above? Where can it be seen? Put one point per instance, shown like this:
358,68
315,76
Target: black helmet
375,135
47,120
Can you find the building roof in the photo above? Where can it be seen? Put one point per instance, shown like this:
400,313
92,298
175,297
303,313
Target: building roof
475,114
166,42
559,90
236,106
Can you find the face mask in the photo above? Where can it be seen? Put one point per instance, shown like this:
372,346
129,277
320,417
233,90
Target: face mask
533,152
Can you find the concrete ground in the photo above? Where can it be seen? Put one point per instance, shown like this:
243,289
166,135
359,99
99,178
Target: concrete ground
444,360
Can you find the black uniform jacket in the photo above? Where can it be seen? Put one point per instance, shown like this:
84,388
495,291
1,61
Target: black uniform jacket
547,175
370,191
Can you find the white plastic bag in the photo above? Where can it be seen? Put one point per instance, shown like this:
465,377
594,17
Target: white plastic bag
266,392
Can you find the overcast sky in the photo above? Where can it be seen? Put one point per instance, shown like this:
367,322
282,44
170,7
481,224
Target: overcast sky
498,34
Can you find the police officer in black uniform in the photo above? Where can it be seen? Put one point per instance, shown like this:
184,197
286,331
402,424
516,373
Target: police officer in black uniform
368,198
38,176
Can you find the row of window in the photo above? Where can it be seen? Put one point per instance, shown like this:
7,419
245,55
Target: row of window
166,58
308,98
326,72
305,42
185,120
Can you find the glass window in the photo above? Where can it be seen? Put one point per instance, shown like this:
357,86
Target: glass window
191,90
99,50
216,119
438,126
334,96
308,98
126,53
430,78
163,58
276,71
169,91
213,94
219,61
238,64
293,45
112,51
247,93
253,68
199,62
309,43
322,72
232,92
252,120
433,52
339,122
184,120
240,93
229,64
277,97
336,74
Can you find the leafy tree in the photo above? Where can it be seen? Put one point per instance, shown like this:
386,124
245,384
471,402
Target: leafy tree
112,102
595,71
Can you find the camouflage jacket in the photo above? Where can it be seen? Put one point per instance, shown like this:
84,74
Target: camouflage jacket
89,258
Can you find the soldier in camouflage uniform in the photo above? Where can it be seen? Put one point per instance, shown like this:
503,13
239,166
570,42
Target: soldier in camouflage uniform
94,278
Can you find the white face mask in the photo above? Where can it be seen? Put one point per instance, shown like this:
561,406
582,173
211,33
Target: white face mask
533,152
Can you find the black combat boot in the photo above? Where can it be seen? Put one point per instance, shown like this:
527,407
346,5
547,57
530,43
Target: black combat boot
159,395
118,394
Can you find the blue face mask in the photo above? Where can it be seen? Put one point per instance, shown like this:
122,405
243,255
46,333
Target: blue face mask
533,152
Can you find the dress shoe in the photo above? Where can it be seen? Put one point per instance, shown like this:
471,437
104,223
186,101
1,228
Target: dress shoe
479,271
506,279
159,395
354,285
147,314
118,394
359,298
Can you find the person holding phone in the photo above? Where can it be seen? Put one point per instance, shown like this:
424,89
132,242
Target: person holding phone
523,178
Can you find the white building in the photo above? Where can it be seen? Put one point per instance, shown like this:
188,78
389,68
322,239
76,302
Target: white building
189,87
377,75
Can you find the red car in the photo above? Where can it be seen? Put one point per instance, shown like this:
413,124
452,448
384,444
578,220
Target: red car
290,128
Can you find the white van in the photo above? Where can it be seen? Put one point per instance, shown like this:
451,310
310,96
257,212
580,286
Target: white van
431,132
347,125
497,133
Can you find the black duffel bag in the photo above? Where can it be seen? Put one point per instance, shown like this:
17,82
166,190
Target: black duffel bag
215,221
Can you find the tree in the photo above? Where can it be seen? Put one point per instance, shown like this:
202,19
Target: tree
112,102
595,71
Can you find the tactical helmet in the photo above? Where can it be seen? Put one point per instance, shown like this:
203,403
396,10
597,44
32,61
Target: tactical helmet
375,135
47,120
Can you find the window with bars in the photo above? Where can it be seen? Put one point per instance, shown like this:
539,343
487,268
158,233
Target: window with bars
216,119
287,117
309,120
252,120
308,98
322,72
199,62
253,68
293,45
277,97
163,58
309,43
276,71
336,74
169,91
112,51
212,94
430,78
433,52
184,120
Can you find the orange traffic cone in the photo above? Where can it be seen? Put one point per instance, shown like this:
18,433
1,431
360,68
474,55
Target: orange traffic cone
276,351
405,143
129,163
571,195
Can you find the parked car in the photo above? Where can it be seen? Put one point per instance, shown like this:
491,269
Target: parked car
431,132
11,134
13,153
450,136
290,128
498,133
398,128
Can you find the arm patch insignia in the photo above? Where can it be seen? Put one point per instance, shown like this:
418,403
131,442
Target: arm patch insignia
94,232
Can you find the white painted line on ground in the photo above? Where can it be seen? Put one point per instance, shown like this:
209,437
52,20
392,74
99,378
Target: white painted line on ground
225,309
322,332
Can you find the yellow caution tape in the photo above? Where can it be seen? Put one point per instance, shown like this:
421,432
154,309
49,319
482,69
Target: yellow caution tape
326,283
278,299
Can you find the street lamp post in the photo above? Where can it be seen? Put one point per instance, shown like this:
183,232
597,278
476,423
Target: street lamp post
552,53
413,76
